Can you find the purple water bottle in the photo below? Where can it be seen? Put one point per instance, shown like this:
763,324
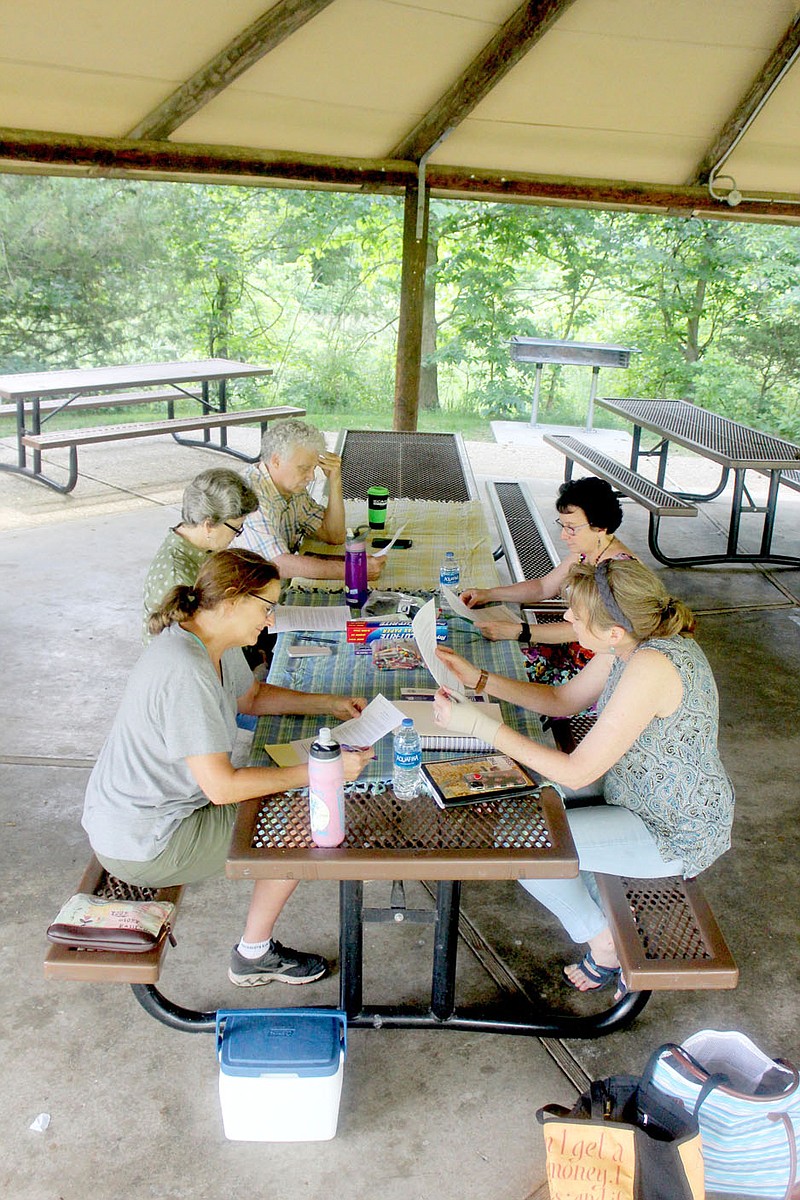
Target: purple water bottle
355,571
326,790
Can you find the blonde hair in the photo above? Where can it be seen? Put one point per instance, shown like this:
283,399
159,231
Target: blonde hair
225,575
648,609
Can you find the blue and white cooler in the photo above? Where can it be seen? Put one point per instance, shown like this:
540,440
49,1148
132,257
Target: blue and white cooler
281,1073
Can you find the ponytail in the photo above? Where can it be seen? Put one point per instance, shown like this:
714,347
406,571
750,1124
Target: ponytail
179,604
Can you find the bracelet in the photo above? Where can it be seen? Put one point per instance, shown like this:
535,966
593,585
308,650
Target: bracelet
525,636
481,684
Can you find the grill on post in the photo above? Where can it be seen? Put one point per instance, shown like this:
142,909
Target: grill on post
581,354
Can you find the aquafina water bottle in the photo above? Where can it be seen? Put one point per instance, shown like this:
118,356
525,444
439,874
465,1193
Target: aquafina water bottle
407,771
449,571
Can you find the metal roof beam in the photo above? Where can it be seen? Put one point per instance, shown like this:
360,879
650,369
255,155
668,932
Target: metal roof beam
748,108
265,33
513,40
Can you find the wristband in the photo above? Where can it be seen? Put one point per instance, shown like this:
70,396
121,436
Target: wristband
525,636
481,684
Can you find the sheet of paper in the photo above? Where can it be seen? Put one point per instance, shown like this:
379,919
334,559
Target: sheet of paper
424,627
294,617
386,549
378,718
496,612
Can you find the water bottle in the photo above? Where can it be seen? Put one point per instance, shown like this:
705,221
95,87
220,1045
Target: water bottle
449,571
355,571
407,772
326,791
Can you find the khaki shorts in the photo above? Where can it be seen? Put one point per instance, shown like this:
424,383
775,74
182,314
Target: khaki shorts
196,850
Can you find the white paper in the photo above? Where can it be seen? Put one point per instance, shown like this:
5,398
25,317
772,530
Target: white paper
424,628
497,612
295,617
378,718
40,1123
386,549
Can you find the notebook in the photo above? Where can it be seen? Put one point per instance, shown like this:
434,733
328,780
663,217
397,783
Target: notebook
433,737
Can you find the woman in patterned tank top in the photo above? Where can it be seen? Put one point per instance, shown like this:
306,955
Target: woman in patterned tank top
653,750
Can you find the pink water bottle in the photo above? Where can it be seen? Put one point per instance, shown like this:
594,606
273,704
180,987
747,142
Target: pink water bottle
326,791
355,571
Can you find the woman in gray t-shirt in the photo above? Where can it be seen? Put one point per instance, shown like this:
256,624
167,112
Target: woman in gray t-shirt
668,799
161,800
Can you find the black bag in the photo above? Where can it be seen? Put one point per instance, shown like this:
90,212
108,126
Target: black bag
623,1138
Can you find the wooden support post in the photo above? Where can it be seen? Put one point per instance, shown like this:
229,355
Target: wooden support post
412,302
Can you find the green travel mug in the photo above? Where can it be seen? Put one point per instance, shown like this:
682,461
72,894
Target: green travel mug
377,499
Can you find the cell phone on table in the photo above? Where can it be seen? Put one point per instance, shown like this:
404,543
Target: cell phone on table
379,543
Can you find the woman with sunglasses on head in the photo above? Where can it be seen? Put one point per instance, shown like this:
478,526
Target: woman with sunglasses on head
161,800
589,515
213,510
668,800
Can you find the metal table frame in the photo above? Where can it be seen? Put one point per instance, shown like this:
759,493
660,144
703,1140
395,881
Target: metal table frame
416,466
30,388
386,839
735,447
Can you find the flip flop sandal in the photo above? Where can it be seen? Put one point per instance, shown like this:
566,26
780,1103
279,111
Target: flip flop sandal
600,976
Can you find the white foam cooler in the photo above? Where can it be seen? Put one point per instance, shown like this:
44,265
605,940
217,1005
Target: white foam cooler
281,1073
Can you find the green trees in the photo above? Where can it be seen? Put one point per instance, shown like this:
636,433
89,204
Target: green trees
98,271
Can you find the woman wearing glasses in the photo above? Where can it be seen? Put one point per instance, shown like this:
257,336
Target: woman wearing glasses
161,800
652,751
589,516
213,510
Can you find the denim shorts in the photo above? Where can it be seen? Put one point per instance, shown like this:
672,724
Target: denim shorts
196,850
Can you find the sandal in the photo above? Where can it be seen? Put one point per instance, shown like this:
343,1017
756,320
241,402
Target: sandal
598,975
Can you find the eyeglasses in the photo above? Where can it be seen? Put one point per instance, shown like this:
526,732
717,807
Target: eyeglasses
572,528
271,605
237,529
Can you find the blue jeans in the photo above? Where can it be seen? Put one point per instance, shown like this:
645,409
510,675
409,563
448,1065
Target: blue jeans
613,841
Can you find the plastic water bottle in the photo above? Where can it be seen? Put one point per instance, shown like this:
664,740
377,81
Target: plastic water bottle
326,790
407,772
449,571
355,571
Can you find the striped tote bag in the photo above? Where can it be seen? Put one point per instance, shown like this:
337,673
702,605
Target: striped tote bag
748,1110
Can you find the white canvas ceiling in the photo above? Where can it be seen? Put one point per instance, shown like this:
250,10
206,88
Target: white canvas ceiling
611,101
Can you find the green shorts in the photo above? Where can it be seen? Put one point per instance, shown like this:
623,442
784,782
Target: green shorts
196,850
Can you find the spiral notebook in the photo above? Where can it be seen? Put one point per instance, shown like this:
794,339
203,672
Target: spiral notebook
433,737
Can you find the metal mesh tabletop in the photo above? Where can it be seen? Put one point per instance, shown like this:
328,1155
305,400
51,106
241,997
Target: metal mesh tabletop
416,466
726,441
387,838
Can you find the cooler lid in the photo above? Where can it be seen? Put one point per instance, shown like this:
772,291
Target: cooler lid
280,1041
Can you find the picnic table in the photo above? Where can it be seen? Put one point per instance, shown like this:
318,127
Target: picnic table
391,839
735,447
30,397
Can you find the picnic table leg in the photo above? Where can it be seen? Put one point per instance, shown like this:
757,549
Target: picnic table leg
445,948
351,945
769,518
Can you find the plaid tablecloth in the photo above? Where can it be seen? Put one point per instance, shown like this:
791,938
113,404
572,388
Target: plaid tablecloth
346,673
434,527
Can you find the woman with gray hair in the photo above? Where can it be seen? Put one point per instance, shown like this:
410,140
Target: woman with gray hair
214,506
652,752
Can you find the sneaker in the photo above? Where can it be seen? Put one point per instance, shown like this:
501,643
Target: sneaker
281,963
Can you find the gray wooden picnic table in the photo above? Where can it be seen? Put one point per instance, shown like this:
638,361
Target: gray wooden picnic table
31,395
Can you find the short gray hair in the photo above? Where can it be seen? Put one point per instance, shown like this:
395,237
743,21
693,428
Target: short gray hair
217,495
283,437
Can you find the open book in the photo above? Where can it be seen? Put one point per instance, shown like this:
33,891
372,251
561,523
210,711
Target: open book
433,737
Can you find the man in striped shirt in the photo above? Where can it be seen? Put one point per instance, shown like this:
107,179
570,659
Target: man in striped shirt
291,452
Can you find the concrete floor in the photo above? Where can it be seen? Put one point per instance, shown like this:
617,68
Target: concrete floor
133,1106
